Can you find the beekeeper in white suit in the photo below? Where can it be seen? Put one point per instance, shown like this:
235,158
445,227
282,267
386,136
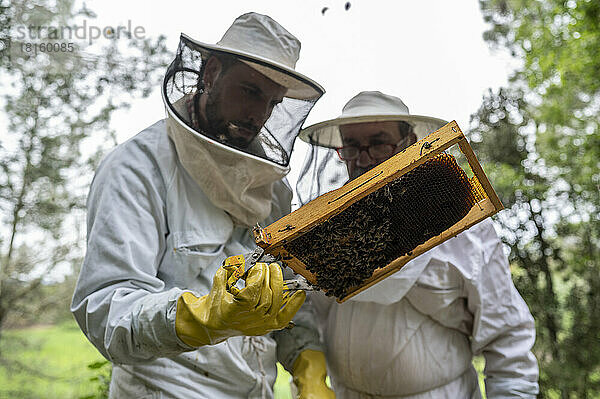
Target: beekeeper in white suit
170,204
414,334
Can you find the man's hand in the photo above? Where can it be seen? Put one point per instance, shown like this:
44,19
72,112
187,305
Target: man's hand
255,310
309,372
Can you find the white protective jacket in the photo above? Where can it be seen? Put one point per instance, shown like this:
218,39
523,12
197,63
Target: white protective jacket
414,334
152,233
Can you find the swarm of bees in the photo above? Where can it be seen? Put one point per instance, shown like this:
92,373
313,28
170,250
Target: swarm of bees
346,7
346,249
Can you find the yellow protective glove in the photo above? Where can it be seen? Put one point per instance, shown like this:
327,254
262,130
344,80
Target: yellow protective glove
260,307
309,371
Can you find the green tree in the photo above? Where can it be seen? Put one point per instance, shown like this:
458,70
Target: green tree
503,136
559,44
540,141
57,107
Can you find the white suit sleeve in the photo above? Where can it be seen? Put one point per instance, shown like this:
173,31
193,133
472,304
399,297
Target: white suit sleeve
119,302
503,328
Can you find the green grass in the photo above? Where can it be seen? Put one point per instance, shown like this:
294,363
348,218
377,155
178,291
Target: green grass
479,364
54,363
56,360
282,384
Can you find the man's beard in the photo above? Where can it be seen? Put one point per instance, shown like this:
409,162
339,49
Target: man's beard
220,129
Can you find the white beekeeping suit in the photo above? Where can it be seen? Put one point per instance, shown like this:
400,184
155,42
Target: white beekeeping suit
414,334
168,206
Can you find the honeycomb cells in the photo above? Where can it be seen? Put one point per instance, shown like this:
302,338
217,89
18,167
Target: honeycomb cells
346,249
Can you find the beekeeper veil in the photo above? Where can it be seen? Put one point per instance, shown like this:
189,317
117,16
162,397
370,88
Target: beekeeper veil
234,161
323,169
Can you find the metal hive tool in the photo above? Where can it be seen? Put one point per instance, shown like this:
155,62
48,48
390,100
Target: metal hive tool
349,239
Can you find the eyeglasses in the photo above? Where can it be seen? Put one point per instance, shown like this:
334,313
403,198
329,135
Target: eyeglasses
376,151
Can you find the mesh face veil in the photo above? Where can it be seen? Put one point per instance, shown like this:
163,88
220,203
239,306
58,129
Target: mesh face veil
322,171
274,142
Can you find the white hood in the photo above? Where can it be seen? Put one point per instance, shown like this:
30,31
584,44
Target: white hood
239,183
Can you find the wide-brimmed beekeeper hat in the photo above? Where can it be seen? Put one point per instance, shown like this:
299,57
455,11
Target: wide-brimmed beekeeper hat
368,106
265,45
323,170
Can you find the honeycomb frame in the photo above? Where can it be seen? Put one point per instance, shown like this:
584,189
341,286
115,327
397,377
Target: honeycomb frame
280,237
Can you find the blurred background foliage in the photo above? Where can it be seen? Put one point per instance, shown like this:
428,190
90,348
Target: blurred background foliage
537,138
57,103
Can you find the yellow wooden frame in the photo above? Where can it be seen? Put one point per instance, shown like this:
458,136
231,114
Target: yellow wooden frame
274,237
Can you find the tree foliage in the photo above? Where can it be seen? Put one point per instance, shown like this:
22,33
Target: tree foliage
540,142
57,107
559,44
